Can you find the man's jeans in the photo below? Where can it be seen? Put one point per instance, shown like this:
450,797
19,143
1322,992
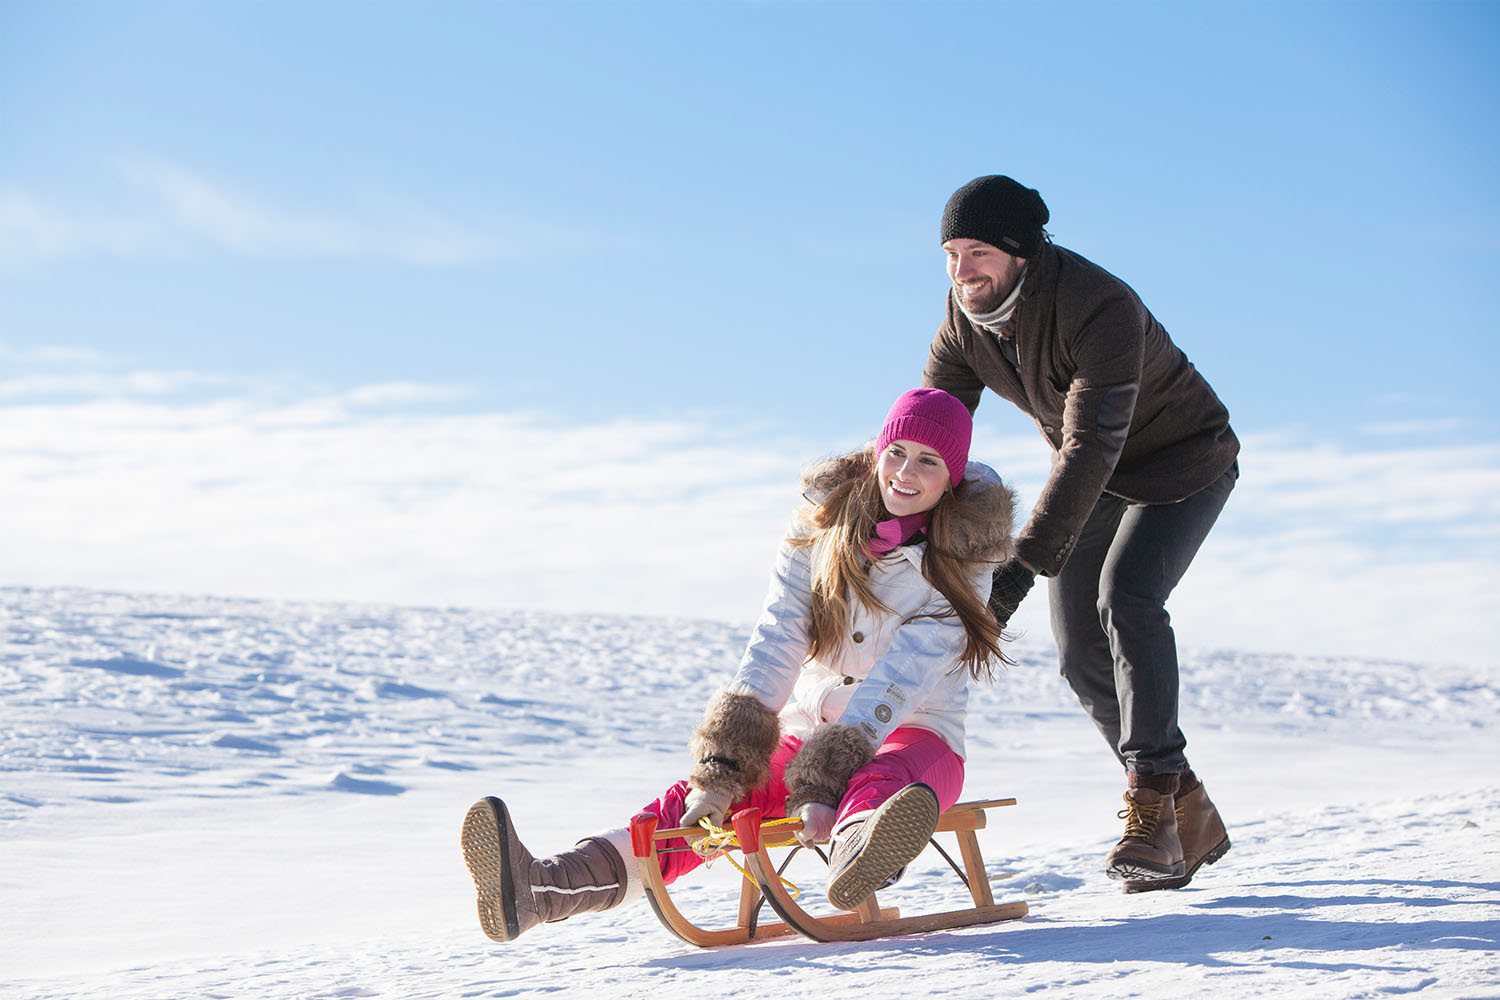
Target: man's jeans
1109,617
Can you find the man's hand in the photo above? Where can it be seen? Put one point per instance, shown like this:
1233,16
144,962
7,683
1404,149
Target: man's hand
1012,582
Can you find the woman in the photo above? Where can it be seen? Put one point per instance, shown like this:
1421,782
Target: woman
848,706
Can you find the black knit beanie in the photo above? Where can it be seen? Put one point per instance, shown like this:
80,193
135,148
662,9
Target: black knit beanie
998,211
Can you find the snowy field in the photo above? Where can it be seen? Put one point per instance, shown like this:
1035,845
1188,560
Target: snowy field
203,797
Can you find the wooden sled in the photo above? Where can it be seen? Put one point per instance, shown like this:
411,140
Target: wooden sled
870,921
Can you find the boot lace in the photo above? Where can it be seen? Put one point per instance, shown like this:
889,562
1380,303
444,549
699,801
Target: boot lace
1141,819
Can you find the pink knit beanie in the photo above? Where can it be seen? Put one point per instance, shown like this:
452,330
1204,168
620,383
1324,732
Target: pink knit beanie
936,419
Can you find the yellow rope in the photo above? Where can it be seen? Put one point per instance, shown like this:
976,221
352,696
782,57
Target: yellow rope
719,842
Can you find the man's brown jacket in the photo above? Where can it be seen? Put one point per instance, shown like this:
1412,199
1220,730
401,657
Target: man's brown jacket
1122,407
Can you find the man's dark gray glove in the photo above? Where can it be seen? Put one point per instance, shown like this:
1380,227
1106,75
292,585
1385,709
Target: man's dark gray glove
1012,582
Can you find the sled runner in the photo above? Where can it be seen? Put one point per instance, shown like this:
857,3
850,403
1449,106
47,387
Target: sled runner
763,881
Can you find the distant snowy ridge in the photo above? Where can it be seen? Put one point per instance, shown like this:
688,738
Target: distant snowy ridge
204,696
214,697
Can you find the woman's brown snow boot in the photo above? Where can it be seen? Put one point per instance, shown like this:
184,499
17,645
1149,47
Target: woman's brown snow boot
872,853
517,891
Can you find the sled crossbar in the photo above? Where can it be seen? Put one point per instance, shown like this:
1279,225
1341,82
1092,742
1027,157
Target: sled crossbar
871,920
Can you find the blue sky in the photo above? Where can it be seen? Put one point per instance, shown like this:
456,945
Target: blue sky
636,261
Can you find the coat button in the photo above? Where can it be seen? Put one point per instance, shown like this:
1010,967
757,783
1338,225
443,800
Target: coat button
1049,430
859,637
848,680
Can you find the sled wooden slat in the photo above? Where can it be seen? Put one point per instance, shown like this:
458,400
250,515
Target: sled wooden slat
979,879
870,921
963,816
749,899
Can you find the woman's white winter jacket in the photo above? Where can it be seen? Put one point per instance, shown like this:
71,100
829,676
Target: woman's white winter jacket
896,668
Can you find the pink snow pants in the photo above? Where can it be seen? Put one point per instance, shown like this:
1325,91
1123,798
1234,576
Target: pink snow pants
908,755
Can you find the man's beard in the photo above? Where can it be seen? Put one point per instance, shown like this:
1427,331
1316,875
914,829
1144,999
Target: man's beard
990,298
995,308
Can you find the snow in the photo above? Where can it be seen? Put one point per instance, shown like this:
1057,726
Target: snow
204,797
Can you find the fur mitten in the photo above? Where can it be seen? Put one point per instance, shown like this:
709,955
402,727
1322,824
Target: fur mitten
822,768
733,745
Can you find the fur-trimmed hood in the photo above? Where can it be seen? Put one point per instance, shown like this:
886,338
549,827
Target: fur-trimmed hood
984,521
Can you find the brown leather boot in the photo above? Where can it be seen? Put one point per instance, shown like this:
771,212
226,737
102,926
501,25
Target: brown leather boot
517,891
1204,840
1150,848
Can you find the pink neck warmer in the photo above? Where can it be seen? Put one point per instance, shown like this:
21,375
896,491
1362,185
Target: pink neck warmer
896,531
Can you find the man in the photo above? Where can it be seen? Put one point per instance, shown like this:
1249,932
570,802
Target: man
1143,461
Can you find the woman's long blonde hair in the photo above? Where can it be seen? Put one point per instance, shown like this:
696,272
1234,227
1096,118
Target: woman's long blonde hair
846,519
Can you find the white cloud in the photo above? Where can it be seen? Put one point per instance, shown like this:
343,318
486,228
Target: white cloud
1373,489
347,496
1414,428
105,383
173,210
487,509
32,229
388,393
28,229
45,356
